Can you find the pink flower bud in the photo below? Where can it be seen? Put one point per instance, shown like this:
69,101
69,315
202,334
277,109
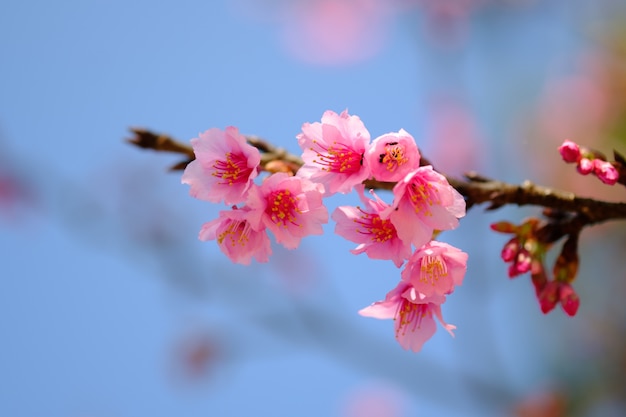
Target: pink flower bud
605,171
570,152
522,262
585,166
510,249
549,297
569,299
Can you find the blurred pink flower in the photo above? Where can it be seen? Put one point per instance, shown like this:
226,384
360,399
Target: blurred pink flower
291,207
343,32
453,141
330,32
547,402
376,237
375,399
413,315
333,151
392,156
15,195
236,238
224,168
448,19
424,201
577,106
336,32
435,268
195,355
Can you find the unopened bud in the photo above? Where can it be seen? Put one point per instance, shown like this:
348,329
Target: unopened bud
569,299
504,227
570,151
549,297
521,264
509,251
585,166
605,171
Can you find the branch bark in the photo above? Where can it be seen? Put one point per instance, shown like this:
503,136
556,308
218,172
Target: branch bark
475,188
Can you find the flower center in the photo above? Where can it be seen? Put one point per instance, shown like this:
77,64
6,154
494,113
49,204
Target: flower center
337,158
233,169
393,156
410,316
237,232
379,229
422,195
432,268
282,207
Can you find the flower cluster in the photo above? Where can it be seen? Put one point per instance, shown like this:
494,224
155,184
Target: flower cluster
526,252
588,162
337,153
523,248
224,171
338,157
532,239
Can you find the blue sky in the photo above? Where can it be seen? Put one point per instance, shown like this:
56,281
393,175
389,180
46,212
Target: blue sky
103,278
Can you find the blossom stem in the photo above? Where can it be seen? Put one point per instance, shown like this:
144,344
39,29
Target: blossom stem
475,188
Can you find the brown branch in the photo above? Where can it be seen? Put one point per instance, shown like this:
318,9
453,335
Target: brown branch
148,140
478,190
475,188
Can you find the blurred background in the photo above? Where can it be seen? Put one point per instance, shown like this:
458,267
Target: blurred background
111,307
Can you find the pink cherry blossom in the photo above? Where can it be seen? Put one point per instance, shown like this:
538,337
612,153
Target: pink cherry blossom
376,237
424,201
333,152
392,156
236,238
412,313
291,207
224,167
435,268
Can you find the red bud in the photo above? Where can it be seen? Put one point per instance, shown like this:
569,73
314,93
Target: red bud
569,299
549,297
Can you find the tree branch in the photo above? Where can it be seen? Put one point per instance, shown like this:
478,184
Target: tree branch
475,188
